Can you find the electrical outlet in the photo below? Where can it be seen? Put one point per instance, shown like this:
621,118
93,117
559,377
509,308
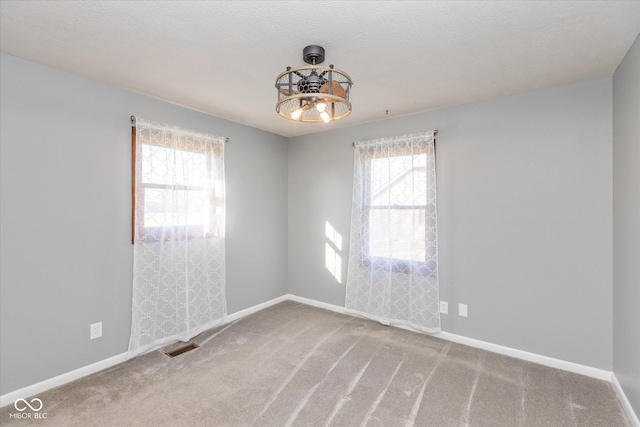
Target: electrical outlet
95,330
462,310
444,307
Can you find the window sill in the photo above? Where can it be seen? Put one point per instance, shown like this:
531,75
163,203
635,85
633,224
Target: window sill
166,234
402,266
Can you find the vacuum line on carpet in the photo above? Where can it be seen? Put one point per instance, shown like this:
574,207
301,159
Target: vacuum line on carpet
375,404
302,404
219,332
274,349
342,356
297,368
523,399
416,406
344,398
467,411
306,398
568,399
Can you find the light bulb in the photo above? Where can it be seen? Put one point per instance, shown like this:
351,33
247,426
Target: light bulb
321,106
325,117
296,114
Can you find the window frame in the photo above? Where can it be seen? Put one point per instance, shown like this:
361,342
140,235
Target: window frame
395,265
173,232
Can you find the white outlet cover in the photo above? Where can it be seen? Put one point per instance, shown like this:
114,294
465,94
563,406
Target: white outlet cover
95,330
462,310
444,307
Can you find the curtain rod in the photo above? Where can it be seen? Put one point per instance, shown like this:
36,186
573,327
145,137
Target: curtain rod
435,132
133,123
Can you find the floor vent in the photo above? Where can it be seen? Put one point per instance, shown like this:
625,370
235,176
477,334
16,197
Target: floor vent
181,350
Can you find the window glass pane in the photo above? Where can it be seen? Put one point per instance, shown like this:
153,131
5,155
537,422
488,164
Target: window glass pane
397,234
399,181
166,207
167,166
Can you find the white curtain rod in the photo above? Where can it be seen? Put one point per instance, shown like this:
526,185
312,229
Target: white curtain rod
435,132
133,123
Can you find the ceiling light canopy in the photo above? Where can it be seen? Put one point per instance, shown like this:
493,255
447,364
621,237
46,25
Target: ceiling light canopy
313,93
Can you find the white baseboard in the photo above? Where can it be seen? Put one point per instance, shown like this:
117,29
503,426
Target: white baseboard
247,311
318,304
589,371
507,351
54,382
43,386
63,379
626,405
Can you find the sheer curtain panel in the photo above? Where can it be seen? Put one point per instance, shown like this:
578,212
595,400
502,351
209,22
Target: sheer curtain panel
393,255
178,235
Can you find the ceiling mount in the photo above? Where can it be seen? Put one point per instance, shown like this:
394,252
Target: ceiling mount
313,54
313,93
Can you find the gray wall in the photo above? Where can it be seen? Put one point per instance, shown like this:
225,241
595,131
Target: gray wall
626,225
66,256
524,215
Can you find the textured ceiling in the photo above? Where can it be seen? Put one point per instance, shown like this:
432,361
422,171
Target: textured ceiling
223,57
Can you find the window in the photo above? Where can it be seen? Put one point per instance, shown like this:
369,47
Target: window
178,234
178,187
398,211
393,248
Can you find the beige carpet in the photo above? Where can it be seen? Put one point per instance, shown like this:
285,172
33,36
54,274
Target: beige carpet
292,364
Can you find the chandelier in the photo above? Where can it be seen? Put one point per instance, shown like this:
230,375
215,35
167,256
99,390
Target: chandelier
313,93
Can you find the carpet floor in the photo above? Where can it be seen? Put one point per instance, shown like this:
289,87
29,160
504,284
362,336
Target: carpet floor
296,365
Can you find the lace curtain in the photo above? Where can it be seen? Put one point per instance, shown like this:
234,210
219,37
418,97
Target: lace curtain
393,256
178,247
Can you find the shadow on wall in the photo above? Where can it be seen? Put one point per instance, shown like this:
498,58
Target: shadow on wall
333,247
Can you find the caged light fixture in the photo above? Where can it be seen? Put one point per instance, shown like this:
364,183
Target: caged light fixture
313,93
